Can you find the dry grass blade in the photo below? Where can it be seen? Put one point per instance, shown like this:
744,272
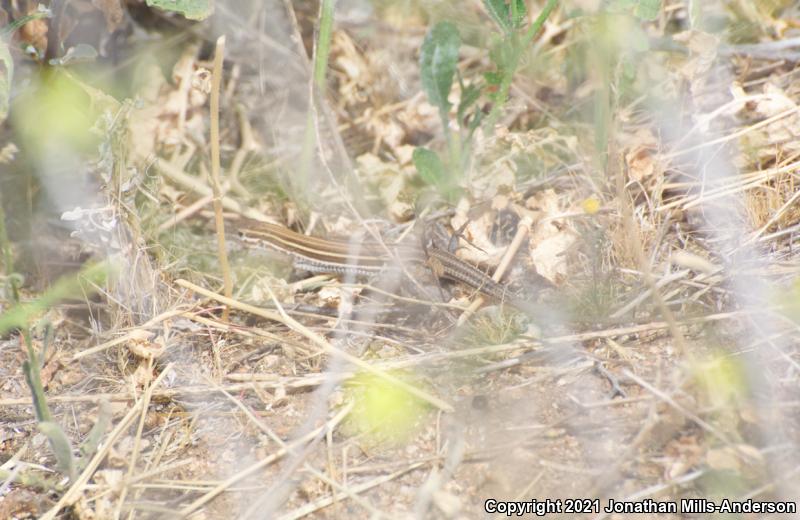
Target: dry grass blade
76,489
320,342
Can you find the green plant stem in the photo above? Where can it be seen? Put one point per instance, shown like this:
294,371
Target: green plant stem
71,286
34,380
322,50
16,24
32,370
533,30
8,258
518,47
323,43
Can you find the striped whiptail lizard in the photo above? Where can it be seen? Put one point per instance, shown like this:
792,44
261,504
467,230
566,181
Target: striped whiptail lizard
338,256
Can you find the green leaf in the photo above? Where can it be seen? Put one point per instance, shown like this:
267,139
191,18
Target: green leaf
507,15
61,446
430,167
34,381
41,12
71,286
628,70
437,61
518,12
498,11
191,9
6,75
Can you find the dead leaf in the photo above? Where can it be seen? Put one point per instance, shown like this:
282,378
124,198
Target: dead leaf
119,455
8,152
51,367
330,295
21,503
172,111
736,458
640,156
779,137
146,349
357,77
477,231
549,239
391,181
500,202
142,376
111,479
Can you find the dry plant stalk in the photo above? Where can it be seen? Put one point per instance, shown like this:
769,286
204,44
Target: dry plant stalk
216,81
628,225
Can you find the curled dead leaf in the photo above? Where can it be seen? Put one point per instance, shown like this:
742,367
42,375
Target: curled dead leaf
170,111
391,181
550,238
761,143
146,349
640,157
330,295
142,376
477,231
35,32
